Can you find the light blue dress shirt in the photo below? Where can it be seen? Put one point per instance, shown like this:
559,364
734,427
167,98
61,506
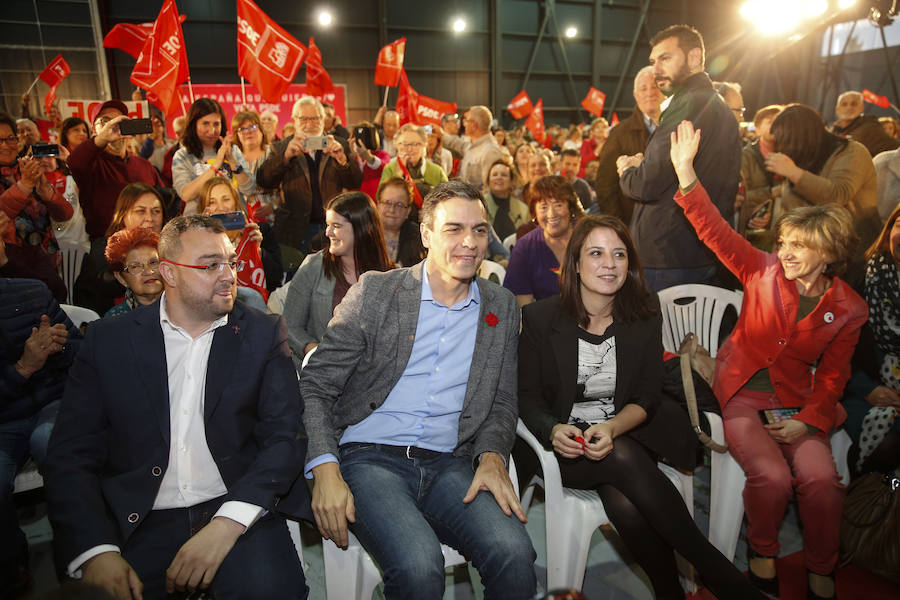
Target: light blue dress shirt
424,407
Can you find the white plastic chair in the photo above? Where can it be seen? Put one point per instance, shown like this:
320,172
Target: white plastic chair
72,254
572,515
277,298
727,479
78,314
28,478
700,314
488,268
510,241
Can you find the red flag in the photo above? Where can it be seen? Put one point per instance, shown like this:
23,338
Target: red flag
390,63
419,109
594,101
873,98
268,56
520,106
52,75
535,121
252,275
318,82
614,121
163,64
130,37
403,93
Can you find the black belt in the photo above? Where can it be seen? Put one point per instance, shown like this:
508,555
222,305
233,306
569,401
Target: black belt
409,452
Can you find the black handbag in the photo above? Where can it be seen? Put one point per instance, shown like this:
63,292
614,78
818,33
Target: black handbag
870,525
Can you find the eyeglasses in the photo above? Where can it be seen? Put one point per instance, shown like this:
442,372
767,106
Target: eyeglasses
212,268
308,119
394,205
10,141
248,129
410,145
137,268
739,111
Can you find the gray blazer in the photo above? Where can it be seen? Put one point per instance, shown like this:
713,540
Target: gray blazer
307,307
887,168
368,344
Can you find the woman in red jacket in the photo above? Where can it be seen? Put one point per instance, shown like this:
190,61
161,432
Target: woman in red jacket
791,349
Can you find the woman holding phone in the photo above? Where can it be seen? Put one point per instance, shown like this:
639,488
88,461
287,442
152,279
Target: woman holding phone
207,151
786,362
254,243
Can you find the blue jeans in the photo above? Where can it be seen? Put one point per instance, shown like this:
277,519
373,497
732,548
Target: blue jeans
405,510
14,437
262,563
660,279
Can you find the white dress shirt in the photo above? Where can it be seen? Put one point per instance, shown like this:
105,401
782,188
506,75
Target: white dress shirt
192,476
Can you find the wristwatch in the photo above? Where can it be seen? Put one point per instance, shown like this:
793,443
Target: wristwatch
238,169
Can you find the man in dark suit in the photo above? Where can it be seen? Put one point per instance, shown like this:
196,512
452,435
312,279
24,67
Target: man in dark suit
309,176
670,251
178,435
411,410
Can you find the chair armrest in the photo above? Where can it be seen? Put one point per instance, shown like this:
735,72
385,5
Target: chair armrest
549,464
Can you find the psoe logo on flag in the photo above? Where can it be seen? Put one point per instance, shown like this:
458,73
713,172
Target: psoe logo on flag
279,54
274,51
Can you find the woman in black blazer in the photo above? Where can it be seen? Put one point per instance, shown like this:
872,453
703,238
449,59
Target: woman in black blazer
590,386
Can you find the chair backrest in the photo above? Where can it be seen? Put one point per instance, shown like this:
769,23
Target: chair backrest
79,315
72,254
492,271
698,309
510,241
277,298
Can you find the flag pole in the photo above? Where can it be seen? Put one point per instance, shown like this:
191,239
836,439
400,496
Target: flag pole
386,90
243,93
181,100
190,90
33,83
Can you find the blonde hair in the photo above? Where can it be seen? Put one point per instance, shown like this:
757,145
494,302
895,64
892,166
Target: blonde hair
827,228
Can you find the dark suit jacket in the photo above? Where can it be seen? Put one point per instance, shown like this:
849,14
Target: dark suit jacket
628,137
113,427
663,236
548,368
292,219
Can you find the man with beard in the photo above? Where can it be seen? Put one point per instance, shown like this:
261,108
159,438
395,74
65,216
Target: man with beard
178,434
101,167
668,247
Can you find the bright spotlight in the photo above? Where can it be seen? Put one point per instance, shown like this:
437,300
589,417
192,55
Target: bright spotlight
459,25
325,18
815,8
842,4
571,32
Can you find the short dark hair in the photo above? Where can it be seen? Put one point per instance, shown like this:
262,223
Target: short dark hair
800,133
445,191
634,299
397,182
7,120
68,124
556,187
570,152
170,238
199,109
688,39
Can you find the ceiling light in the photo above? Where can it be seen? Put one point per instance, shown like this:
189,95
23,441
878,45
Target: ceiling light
325,18
571,32
459,25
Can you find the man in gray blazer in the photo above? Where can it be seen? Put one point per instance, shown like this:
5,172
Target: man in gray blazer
411,413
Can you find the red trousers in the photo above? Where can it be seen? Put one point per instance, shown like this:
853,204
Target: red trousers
774,471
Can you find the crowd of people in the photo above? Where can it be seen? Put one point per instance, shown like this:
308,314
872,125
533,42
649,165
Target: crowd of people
182,438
